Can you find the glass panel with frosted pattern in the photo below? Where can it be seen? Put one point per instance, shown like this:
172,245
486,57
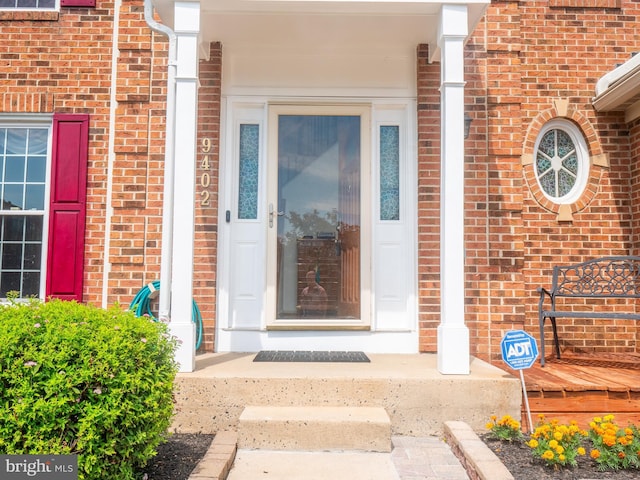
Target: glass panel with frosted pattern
249,172
557,164
389,173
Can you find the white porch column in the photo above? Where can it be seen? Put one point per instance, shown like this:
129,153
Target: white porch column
186,27
453,335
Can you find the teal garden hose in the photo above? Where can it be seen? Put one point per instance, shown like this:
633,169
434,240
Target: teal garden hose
141,306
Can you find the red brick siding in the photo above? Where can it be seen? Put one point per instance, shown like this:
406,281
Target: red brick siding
634,178
207,178
41,73
428,97
67,55
138,167
534,56
527,62
634,154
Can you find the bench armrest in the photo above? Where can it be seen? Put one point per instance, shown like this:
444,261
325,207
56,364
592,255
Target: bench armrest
543,292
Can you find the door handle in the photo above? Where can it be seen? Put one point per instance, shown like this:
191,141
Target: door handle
272,213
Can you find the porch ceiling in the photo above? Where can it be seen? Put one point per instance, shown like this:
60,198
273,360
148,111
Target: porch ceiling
321,25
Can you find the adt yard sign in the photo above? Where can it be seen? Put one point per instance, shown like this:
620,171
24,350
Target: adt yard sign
519,349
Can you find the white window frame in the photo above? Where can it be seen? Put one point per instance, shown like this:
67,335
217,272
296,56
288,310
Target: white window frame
36,121
55,8
582,153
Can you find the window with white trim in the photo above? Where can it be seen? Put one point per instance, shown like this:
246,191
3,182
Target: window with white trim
561,161
24,153
28,4
50,5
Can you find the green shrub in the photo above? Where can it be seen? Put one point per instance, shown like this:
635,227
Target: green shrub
76,379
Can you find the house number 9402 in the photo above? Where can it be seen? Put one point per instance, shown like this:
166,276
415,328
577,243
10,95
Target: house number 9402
205,176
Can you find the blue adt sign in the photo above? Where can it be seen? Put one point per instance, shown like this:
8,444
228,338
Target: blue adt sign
519,349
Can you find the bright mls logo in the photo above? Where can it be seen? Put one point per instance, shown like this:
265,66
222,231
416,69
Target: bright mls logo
42,467
519,349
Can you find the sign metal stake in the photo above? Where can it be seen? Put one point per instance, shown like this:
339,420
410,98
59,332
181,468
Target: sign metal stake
526,401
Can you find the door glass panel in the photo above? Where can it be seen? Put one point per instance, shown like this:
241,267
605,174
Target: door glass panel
318,248
249,172
389,172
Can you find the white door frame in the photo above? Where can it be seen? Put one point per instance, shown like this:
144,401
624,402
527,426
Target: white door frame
393,326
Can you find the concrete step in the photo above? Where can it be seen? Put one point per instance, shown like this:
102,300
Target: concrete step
315,428
408,387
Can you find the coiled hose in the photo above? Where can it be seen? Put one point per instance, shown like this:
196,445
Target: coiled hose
141,306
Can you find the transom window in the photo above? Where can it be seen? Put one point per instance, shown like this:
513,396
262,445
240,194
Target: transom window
23,171
561,161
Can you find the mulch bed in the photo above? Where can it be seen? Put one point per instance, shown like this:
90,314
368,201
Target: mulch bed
177,458
517,457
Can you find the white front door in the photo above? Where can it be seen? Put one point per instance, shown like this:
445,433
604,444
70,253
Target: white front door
317,228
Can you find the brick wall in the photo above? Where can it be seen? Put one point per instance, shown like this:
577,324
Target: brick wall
138,163
634,154
494,266
527,62
64,64
41,74
530,62
428,100
207,179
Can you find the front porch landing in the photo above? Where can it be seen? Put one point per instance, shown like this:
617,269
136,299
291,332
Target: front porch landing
417,398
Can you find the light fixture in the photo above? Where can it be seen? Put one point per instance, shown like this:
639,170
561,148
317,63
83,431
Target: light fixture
467,124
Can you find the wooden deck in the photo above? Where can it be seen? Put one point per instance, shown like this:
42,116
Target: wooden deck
580,387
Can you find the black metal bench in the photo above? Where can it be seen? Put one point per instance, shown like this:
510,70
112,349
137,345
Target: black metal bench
604,278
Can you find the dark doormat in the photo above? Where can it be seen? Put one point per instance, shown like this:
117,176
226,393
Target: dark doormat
307,356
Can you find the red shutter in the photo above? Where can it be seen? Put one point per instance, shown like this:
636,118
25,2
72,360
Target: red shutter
67,207
77,3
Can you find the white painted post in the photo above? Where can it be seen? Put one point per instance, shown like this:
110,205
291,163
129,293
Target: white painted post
186,27
453,334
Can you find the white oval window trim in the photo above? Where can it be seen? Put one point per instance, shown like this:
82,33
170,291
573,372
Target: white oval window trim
582,155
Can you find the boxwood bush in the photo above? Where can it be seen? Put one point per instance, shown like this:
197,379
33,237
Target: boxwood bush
76,379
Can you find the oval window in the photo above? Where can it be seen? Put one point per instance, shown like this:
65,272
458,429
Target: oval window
561,161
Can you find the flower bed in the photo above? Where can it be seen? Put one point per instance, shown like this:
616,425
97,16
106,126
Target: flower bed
565,452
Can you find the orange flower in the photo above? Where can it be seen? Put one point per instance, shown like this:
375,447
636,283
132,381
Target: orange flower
609,440
548,455
621,455
595,454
